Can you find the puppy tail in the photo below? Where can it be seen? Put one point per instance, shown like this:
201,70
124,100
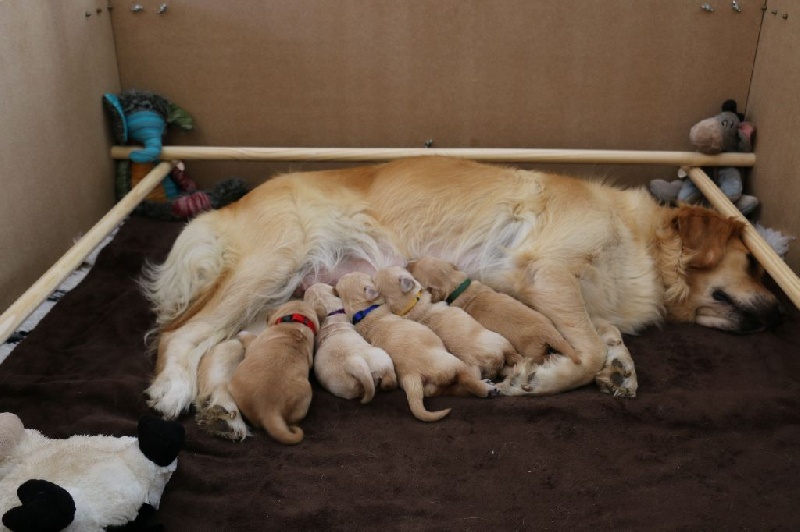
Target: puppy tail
276,426
358,368
412,385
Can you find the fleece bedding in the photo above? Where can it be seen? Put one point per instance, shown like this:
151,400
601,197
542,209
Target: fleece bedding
711,442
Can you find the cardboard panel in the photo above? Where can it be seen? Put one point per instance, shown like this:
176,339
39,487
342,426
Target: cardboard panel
57,178
774,107
508,73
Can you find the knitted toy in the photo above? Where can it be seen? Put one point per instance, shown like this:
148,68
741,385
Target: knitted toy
143,117
724,132
84,483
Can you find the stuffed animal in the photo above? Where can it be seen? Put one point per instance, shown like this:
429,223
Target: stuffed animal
725,132
83,483
143,117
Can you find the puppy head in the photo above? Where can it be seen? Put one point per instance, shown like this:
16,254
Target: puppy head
321,298
724,279
398,287
357,292
439,277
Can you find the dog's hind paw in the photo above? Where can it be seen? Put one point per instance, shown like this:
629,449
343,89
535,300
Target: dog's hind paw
618,377
222,423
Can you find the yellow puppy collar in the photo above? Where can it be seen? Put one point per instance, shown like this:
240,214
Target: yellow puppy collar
411,305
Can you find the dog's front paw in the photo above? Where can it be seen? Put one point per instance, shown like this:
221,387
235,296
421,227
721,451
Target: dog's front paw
170,393
222,422
618,377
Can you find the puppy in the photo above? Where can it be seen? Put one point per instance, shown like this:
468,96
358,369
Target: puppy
461,334
346,364
528,331
424,367
271,386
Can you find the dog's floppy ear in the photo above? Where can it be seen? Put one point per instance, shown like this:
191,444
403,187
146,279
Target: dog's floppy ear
407,283
704,234
371,293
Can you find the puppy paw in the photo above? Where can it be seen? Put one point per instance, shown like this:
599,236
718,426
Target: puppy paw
618,377
221,422
519,379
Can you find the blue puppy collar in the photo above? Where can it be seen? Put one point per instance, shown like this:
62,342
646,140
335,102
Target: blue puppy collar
361,314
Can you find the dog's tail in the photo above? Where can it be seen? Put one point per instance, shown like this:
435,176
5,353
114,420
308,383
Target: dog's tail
412,385
191,271
358,368
277,427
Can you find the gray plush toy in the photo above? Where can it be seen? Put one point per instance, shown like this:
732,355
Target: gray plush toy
725,132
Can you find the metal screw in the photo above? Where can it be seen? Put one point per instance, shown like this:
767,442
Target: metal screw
99,10
429,143
774,11
87,14
707,7
785,16
162,9
736,7
137,8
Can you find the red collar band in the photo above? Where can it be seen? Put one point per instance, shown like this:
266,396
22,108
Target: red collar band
297,318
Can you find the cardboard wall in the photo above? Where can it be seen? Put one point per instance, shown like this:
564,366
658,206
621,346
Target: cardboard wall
774,107
609,74
55,63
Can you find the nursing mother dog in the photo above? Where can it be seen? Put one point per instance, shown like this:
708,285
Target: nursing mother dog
596,260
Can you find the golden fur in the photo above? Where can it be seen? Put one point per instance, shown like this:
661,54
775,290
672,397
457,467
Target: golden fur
461,334
529,332
344,363
586,255
271,386
423,365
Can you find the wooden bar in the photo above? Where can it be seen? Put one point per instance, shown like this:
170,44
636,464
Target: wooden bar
772,263
33,297
506,155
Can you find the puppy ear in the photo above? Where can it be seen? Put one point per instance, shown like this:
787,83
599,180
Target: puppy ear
371,293
436,294
705,234
411,265
407,283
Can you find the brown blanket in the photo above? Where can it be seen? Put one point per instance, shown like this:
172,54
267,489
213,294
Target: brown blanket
712,442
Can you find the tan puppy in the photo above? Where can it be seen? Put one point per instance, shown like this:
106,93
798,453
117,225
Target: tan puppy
528,331
424,367
346,364
270,386
461,334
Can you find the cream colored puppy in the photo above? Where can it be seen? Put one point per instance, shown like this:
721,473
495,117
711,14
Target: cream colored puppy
461,334
528,331
271,385
423,365
346,364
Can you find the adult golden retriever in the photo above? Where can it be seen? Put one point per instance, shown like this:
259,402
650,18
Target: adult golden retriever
594,259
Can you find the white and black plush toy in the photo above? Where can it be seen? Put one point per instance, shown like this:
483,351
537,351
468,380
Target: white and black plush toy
83,483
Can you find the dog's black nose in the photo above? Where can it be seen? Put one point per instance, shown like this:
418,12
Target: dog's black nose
762,314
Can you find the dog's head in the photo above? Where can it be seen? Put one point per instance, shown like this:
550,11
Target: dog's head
398,288
722,276
437,276
357,291
322,298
